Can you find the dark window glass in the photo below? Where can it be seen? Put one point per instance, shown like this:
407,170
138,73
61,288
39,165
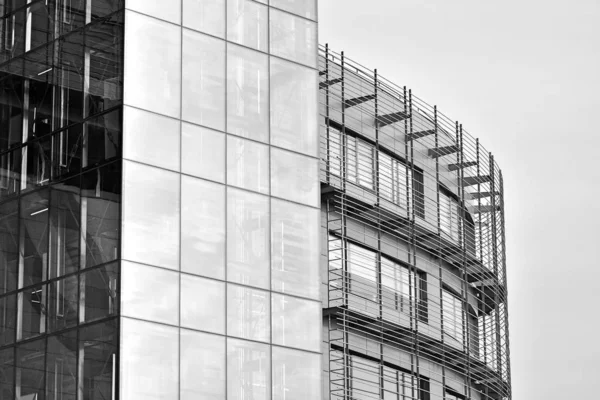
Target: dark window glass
41,30
7,373
98,345
9,246
32,307
63,303
65,234
12,33
34,234
104,137
102,8
68,71
30,369
61,367
100,292
100,200
8,319
11,110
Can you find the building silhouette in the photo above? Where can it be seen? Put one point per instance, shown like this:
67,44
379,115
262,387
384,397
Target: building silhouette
198,202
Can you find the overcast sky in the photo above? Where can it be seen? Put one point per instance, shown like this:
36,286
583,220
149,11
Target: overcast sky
524,77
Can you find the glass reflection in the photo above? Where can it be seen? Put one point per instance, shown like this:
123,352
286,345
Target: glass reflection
202,152
248,313
247,23
206,16
295,177
202,304
296,374
247,164
291,326
202,366
293,38
248,370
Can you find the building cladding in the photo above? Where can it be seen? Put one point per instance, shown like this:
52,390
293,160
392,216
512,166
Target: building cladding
196,202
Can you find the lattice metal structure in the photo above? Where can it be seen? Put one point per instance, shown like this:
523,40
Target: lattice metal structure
414,282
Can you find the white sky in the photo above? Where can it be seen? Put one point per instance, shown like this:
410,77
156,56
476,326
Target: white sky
524,77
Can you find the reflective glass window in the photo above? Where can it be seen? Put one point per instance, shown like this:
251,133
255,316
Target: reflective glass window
161,10
98,351
149,360
99,287
202,227
362,268
293,38
304,8
248,313
206,16
202,366
30,369
9,246
247,238
203,80
248,370
294,107
452,307
202,304
296,374
295,177
247,93
295,249
449,216
247,164
34,233
203,152
296,322
7,373
32,310
150,293
63,303
395,180
61,366
104,138
65,235
8,319
247,23
151,138
151,216
152,64
361,163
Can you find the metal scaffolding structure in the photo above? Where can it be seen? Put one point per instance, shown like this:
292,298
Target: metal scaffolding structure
415,300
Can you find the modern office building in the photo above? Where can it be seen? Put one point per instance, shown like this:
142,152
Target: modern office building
198,203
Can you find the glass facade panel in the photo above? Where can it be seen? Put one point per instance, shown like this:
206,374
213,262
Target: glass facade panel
150,293
151,138
151,216
452,308
248,252
296,375
30,370
289,318
304,8
203,152
9,246
248,370
294,107
61,367
202,227
99,292
295,249
8,319
7,373
293,38
294,177
202,304
202,366
63,304
247,23
206,16
149,360
247,93
203,82
248,313
247,164
151,43
156,9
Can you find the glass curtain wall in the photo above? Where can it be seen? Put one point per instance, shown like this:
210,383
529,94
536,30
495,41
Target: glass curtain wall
220,201
60,194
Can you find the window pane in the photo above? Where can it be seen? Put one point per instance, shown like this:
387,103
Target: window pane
296,375
206,16
202,228
61,367
247,238
296,322
203,152
294,107
142,345
293,38
34,232
97,349
248,370
152,64
159,9
305,8
8,319
202,304
151,138
295,177
247,23
248,313
63,303
247,93
100,292
203,80
151,216
30,369
9,246
295,249
202,366
32,307
247,164
150,293
7,373
65,233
